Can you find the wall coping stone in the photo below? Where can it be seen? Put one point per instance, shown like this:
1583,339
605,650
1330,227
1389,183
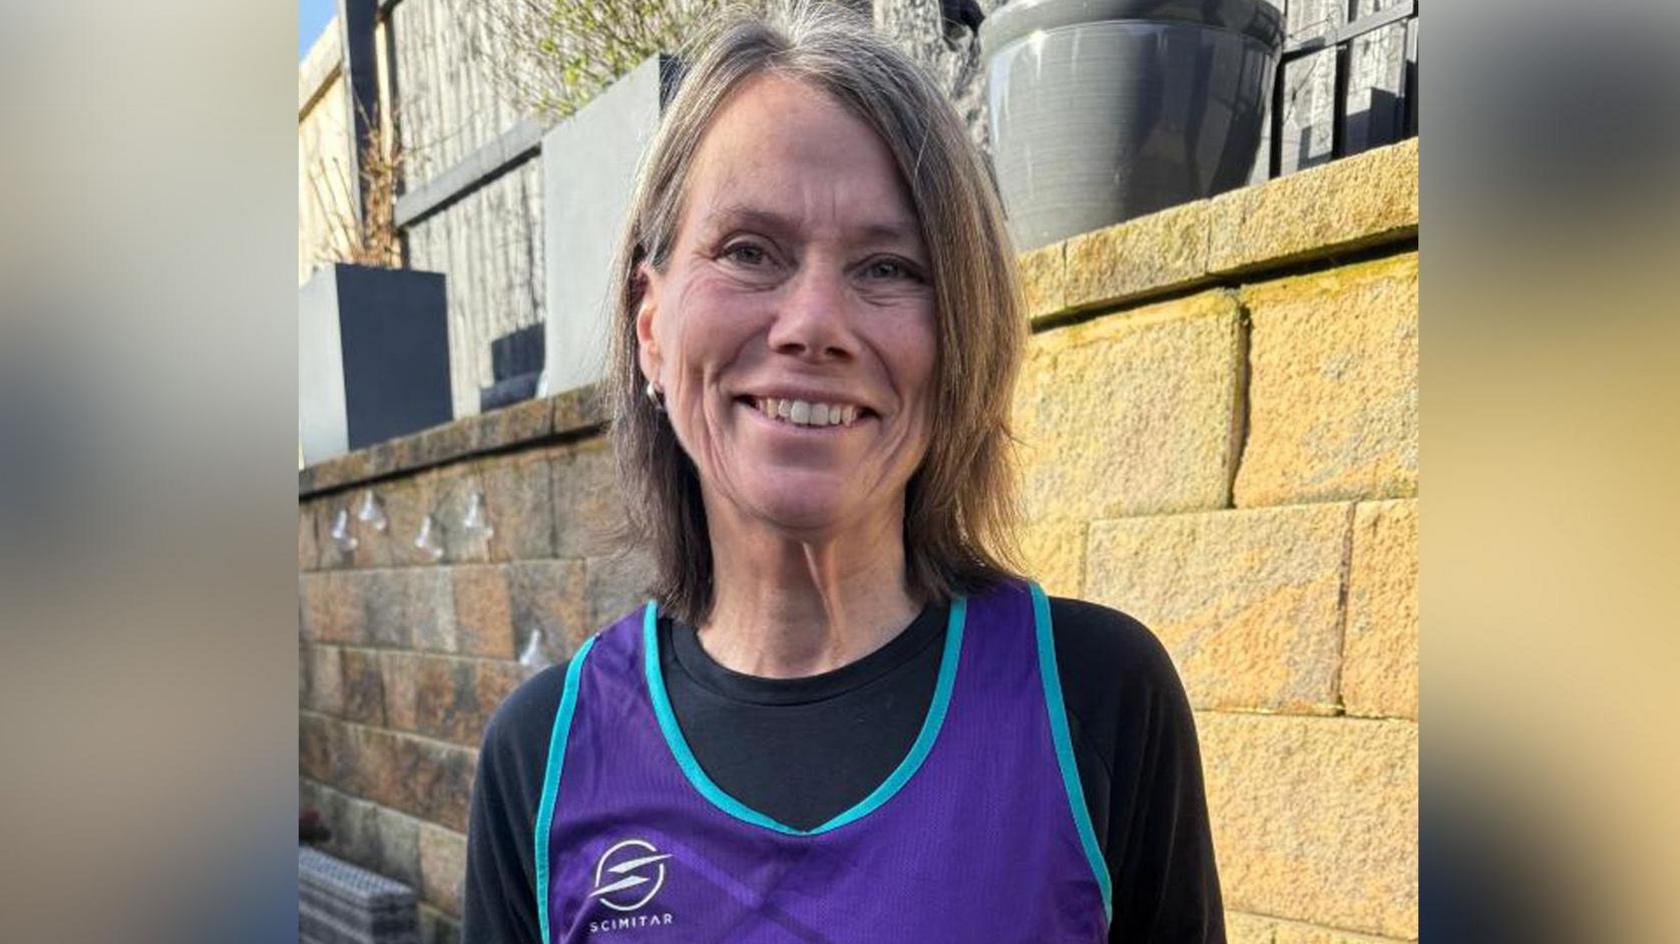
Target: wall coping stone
1369,199
1358,202
574,414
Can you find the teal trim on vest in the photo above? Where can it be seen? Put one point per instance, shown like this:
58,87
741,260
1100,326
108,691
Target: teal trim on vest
1064,747
895,781
551,778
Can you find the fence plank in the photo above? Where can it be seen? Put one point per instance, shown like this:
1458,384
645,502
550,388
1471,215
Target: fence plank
489,243
450,105
1412,77
1376,88
1263,153
1308,129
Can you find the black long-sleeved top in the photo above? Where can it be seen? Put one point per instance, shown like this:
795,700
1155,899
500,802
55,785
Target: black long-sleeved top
803,750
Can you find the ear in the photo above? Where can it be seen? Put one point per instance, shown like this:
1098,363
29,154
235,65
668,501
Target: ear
647,345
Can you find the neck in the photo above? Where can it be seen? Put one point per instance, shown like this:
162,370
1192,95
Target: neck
792,606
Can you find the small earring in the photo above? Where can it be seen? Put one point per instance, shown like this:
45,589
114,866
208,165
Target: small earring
653,395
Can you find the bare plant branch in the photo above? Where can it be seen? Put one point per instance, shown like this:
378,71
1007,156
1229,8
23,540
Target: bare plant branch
368,238
550,57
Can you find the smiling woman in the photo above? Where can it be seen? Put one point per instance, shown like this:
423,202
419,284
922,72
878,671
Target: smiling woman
842,716
817,174
798,283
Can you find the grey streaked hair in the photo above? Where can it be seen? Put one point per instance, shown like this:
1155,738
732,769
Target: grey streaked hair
960,506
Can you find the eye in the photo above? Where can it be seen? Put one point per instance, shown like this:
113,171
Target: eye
745,253
891,269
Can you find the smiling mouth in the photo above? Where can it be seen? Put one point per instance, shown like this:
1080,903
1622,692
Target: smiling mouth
807,413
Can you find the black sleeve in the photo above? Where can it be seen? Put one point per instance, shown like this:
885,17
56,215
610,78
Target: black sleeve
499,903
1135,746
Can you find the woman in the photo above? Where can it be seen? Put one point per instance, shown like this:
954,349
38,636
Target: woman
844,719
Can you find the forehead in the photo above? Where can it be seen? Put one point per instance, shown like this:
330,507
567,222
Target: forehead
785,147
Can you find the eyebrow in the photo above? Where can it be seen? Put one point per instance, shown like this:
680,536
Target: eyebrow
779,225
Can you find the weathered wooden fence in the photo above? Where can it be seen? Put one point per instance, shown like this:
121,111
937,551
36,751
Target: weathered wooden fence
1347,82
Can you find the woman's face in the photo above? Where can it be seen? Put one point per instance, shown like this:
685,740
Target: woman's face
792,333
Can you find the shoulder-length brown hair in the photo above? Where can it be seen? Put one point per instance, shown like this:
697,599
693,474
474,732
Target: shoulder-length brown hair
960,507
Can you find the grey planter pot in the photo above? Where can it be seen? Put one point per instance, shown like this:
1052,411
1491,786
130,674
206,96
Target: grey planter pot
1103,110
373,357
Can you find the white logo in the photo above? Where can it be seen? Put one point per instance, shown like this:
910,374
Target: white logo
624,869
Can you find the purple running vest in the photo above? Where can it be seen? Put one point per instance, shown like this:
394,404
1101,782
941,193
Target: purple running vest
980,835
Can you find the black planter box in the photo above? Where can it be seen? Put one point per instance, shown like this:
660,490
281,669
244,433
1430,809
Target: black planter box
373,357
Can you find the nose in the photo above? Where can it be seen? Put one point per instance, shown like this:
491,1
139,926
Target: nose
812,322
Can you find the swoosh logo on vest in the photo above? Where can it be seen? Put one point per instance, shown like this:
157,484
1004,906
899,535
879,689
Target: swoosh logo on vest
630,859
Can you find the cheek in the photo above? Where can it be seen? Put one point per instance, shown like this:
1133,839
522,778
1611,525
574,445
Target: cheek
709,323
706,327
912,353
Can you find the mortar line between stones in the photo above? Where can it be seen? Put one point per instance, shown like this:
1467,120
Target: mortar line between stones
387,726
1302,716
442,566
1352,255
393,732
429,653
1342,596
1069,317
1373,937
1243,399
1308,502
556,507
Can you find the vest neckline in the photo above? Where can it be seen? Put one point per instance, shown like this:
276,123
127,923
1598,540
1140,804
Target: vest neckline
684,652
895,781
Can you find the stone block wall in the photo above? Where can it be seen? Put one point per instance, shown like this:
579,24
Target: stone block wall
402,658
1218,425
1219,433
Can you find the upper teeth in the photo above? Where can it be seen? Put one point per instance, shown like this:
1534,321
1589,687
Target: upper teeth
806,413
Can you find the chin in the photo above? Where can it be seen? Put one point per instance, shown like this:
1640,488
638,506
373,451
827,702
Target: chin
803,514
805,507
